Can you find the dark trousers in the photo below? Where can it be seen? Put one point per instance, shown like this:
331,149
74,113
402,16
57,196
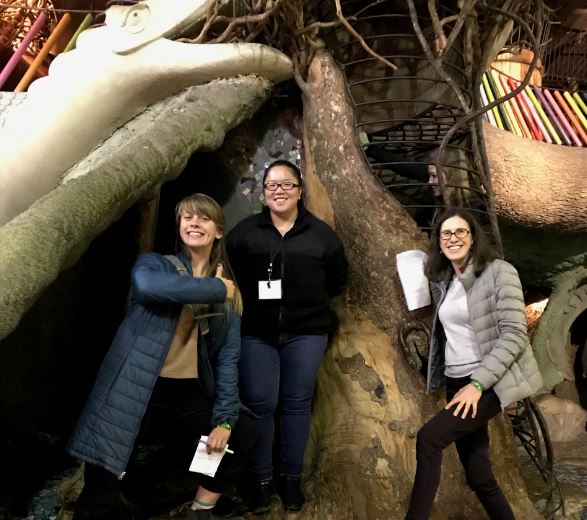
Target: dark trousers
177,415
279,374
472,442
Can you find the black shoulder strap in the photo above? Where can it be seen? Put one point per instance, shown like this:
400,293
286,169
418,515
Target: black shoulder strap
201,310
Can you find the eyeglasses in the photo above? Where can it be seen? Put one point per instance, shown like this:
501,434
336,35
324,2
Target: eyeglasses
446,234
272,186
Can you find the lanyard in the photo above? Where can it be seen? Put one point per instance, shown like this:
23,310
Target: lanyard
271,260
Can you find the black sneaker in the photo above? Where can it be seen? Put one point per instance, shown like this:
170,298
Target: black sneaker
290,491
261,494
229,507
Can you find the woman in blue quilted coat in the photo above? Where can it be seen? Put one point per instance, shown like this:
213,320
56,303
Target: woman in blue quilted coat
172,370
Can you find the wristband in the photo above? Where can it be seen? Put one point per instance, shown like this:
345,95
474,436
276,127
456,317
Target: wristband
477,385
224,425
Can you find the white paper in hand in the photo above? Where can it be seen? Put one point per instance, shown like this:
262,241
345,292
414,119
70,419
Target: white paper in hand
204,462
410,267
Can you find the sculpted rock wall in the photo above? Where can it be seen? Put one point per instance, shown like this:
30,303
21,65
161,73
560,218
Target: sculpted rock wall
153,148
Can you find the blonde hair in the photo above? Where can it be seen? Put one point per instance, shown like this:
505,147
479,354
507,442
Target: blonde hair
200,204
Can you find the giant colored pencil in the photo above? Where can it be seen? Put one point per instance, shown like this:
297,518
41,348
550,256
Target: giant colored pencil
504,117
575,108
523,103
552,116
580,102
30,74
485,101
24,44
561,117
571,116
506,104
491,99
515,108
543,116
87,21
536,117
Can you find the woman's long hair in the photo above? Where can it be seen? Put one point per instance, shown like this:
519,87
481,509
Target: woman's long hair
200,204
437,265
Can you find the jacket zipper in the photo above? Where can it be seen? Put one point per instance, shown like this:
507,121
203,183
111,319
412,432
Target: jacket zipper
280,317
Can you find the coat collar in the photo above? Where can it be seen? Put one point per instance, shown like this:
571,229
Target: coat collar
468,276
300,223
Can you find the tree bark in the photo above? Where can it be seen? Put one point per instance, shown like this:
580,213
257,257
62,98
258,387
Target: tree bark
370,402
537,185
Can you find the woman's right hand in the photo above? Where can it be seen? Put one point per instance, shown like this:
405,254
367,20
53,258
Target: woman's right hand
229,284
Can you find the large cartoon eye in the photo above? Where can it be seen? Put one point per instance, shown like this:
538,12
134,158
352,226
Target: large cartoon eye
136,18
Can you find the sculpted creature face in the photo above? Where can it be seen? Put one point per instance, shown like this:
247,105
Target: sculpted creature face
133,26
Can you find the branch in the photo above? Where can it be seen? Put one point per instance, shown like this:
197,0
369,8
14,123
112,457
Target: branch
359,38
460,18
439,36
253,18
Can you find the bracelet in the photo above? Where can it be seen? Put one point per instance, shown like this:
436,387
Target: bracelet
477,385
225,425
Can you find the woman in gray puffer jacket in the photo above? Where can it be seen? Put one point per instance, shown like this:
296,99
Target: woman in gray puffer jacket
479,350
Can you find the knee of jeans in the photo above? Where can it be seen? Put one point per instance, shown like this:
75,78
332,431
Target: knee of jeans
481,483
261,406
299,405
426,436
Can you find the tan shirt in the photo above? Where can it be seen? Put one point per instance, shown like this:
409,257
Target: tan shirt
182,359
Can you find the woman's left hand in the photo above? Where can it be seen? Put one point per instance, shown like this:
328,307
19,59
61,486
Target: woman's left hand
466,399
217,439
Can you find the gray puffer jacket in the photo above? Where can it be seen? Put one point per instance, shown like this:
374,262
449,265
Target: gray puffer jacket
497,315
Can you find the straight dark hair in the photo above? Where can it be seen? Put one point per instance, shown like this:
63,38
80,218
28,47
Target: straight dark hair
282,162
437,266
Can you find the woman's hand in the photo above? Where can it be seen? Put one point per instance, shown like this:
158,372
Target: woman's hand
466,399
217,439
228,283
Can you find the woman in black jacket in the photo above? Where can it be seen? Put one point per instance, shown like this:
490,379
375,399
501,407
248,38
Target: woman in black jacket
288,265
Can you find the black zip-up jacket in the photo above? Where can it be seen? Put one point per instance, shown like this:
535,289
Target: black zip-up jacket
310,262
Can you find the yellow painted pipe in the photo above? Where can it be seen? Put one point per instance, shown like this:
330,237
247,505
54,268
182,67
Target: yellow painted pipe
575,108
30,73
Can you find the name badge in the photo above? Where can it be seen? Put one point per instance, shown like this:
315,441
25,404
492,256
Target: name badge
270,290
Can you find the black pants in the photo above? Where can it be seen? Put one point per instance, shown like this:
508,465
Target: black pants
472,442
177,415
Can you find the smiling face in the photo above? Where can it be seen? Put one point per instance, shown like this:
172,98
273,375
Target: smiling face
197,231
282,202
456,249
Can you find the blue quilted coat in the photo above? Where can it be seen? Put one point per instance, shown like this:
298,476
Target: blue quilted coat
109,424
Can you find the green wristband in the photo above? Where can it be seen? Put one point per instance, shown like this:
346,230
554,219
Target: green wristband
225,426
477,385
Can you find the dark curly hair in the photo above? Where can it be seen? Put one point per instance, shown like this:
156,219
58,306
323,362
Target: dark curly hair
437,265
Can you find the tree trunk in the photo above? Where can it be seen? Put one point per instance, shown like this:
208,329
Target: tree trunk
370,402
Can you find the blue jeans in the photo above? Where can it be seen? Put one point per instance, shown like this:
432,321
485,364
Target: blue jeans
280,371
